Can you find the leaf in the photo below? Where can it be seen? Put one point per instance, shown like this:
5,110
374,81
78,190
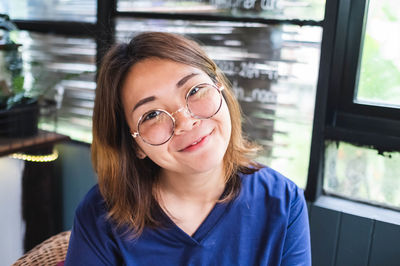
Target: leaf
14,100
18,84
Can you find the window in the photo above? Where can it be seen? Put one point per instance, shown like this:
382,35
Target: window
64,66
379,80
362,174
318,80
66,10
269,9
61,64
273,70
357,132
272,66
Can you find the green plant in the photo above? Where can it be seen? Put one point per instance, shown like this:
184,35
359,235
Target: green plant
16,95
12,92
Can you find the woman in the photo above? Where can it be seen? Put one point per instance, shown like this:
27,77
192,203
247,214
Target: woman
176,182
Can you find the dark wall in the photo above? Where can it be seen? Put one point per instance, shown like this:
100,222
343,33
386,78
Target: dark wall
343,238
78,177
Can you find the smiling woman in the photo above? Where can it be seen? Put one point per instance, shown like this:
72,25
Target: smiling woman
188,129
177,181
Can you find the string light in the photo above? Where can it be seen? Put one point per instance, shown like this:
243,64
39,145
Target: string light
36,158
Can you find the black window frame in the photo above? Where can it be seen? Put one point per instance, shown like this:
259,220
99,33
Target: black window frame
349,115
336,117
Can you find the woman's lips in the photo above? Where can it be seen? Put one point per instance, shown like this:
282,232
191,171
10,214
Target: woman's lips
197,144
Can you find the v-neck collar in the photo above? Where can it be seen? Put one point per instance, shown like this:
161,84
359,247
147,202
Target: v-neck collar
202,231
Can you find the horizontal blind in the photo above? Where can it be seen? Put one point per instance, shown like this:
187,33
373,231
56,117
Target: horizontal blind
270,9
65,10
273,71
64,69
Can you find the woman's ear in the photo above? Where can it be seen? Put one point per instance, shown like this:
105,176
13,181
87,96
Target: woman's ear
140,153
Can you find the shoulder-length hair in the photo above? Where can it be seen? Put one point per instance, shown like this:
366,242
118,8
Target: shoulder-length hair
125,181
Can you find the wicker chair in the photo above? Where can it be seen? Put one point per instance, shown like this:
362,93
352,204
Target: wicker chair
49,252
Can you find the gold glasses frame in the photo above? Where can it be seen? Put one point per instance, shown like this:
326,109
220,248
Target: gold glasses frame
183,108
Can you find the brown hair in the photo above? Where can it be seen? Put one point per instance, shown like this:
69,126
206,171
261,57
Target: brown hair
125,181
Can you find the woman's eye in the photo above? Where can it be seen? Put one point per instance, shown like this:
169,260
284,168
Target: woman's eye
150,115
193,91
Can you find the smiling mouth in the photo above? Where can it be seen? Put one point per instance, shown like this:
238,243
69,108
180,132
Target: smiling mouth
197,144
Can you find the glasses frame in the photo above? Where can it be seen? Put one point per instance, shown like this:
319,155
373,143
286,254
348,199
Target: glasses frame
186,108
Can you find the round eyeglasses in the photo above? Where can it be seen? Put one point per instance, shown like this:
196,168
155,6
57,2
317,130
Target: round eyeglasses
156,127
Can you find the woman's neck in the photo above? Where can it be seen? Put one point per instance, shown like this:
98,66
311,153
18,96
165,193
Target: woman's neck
203,188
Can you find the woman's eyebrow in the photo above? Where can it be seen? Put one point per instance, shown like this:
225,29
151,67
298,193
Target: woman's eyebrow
185,79
143,101
180,83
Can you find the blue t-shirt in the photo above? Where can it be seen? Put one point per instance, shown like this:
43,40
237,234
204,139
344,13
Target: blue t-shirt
267,224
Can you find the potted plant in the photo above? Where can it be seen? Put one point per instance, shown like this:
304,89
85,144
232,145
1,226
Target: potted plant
19,108
21,103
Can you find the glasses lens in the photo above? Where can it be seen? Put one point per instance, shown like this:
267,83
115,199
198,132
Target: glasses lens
204,101
156,127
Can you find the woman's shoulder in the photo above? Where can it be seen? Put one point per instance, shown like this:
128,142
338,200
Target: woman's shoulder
269,182
92,203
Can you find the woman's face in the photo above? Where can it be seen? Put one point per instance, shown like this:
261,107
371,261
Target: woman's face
197,146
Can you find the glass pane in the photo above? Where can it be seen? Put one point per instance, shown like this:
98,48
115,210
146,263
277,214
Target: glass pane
273,9
63,68
379,82
273,70
363,174
65,10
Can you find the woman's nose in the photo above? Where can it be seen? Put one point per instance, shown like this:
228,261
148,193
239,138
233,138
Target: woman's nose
184,121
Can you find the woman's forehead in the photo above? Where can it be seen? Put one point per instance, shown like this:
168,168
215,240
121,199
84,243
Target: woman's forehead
154,74
155,77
